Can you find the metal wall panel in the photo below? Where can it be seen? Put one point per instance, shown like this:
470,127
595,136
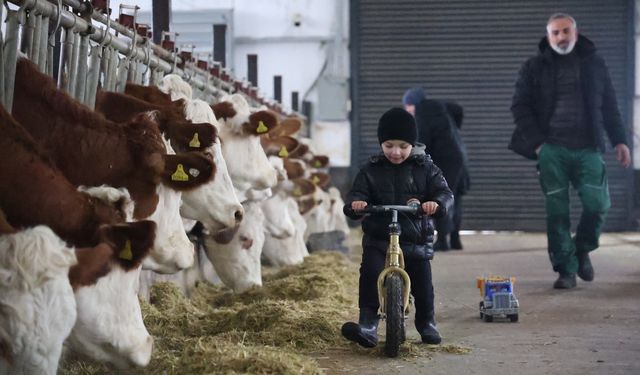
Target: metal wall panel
471,51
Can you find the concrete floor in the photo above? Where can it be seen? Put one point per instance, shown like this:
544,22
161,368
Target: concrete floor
592,329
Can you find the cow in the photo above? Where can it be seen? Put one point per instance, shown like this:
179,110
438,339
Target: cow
176,87
235,254
214,204
90,150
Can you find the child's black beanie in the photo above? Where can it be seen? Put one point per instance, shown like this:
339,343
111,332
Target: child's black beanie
397,123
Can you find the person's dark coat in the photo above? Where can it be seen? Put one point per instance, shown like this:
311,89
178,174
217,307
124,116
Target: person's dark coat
456,112
381,182
535,97
437,131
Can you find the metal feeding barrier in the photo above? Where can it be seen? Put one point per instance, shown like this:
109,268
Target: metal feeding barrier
78,42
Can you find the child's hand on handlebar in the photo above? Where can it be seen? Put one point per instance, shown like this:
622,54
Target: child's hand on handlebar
429,207
358,205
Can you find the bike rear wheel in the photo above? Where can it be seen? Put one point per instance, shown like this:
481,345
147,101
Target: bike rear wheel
395,314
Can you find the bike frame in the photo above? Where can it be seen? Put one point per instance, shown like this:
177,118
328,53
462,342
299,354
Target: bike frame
394,263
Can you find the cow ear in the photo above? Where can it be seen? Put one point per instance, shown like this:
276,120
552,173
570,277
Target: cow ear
93,263
191,137
290,125
260,122
294,169
131,241
225,236
305,205
302,187
187,170
280,146
318,161
223,110
299,151
320,179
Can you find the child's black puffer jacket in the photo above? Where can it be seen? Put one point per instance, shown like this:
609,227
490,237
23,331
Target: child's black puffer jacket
382,182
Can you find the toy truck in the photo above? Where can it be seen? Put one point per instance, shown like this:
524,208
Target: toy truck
498,299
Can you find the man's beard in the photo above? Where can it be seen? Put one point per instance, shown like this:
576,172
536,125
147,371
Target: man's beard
566,50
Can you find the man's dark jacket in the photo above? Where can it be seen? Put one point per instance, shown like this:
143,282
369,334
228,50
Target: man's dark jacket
382,182
535,97
437,130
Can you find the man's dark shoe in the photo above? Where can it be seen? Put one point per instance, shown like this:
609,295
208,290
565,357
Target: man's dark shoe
430,335
367,338
456,244
441,244
585,269
565,281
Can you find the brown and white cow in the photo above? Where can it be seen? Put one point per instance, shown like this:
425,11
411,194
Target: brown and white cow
91,150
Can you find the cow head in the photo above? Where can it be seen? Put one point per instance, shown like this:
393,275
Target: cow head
215,204
237,262
175,86
246,160
109,327
41,309
289,250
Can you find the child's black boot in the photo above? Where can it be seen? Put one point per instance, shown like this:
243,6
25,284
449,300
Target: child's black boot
427,329
365,332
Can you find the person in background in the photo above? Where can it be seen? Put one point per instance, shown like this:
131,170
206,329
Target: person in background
456,112
438,133
397,176
563,105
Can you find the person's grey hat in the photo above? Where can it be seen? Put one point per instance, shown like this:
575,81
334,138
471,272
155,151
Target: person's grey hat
413,96
398,124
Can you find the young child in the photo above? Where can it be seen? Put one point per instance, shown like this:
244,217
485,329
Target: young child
396,176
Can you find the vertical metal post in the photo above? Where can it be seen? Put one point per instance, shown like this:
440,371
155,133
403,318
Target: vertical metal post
1,62
113,70
34,48
65,60
161,10
295,102
121,79
42,53
220,44
81,76
14,19
93,76
252,69
277,88
27,35
73,64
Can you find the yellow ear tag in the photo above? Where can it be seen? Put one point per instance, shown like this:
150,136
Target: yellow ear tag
179,174
262,128
318,164
195,142
315,180
297,192
283,153
126,252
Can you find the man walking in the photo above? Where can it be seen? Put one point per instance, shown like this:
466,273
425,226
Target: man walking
563,105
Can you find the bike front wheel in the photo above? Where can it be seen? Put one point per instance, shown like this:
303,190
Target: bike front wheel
395,314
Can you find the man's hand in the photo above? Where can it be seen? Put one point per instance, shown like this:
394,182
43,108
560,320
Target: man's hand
538,150
623,155
358,205
430,207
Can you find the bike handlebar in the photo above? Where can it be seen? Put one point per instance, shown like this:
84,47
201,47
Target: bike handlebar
377,209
